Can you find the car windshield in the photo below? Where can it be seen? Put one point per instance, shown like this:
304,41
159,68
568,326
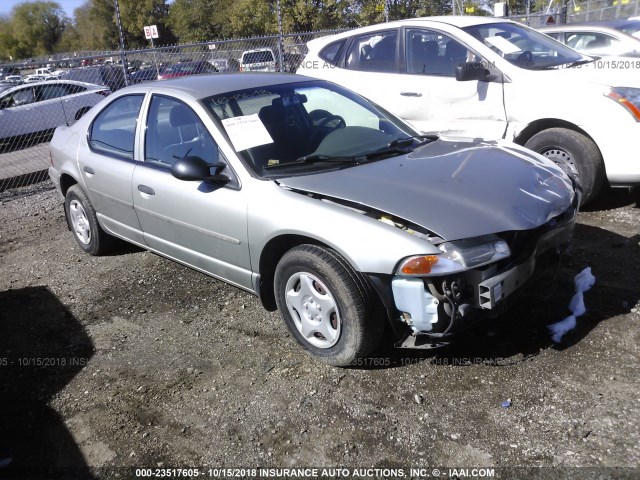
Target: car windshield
525,47
632,28
300,128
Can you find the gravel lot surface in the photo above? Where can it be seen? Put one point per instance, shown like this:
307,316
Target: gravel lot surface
131,360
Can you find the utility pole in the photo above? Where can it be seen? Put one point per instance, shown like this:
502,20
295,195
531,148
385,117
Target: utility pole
280,38
123,54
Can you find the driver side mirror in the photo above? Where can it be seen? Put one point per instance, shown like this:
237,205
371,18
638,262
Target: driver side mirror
191,168
471,71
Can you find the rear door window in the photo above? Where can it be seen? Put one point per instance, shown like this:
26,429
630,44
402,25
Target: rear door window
114,129
49,92
376,52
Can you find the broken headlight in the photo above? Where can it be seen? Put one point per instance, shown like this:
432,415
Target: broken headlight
457,256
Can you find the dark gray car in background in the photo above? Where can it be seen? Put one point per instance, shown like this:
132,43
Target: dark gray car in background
111,76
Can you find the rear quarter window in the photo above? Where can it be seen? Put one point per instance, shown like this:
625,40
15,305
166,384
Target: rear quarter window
75,88
331,53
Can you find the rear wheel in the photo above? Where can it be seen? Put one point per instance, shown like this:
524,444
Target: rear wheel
575,153
326,305
84,223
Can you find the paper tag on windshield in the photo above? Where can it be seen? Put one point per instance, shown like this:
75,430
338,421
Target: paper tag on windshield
503,44
246,132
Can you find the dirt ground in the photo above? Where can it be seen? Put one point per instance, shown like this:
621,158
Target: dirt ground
130,360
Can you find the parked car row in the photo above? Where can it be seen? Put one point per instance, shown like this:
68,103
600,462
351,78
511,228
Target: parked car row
469,76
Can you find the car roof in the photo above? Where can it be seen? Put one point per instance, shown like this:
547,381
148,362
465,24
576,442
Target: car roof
263,49
56,82
580,27
189,62
460,21
619,22
455,20
206,85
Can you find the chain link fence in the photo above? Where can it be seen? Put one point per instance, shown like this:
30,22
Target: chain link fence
39,94
578,12
37,97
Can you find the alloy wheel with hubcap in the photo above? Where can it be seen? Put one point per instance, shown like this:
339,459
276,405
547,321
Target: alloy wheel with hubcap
79,222
313,309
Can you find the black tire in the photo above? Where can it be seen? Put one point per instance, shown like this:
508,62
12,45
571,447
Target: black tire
576,153
355,327
94,241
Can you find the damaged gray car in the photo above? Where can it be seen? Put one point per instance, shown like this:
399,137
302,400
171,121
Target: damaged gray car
324,205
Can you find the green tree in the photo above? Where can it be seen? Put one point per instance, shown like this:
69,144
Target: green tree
261,21
94,27
135,14
7,42
309,15
33,29
202,20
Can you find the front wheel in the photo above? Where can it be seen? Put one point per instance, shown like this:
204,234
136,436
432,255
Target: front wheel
575,153
326,305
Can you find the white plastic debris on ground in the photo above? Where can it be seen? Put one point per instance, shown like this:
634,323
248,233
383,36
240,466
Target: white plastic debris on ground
582,282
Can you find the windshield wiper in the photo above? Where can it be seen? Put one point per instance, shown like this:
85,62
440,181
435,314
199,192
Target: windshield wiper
395,146
399,145
431,137
320,159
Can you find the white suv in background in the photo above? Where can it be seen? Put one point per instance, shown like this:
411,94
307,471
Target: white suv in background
495,79
259,60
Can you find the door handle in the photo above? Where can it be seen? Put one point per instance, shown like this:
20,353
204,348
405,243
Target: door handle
147,190
89,170
411,94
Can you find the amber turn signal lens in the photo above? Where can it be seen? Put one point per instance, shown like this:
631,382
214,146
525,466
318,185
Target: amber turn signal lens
419,265
626,103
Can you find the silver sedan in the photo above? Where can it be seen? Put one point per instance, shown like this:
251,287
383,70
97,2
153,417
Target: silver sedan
36,109
321,203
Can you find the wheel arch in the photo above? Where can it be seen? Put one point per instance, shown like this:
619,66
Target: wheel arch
269,258
595,172
66,182
538,126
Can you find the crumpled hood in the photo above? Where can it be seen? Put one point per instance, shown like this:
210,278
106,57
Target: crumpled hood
455,188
